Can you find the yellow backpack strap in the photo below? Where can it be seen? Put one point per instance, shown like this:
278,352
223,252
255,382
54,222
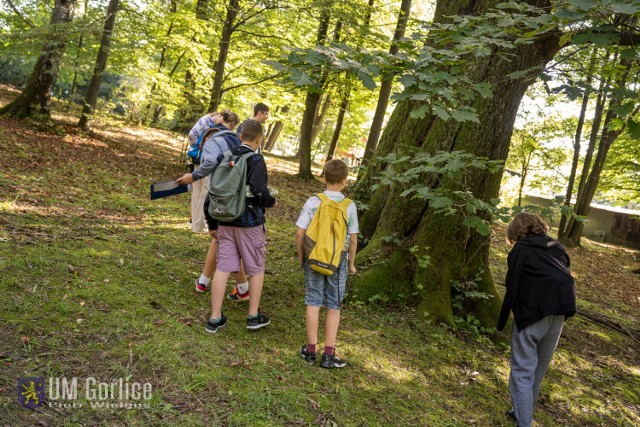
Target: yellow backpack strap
323,197
344,204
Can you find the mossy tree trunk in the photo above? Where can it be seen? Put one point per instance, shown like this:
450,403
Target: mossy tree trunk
37,91
456,252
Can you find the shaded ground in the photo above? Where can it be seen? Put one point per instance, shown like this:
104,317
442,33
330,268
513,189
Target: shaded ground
97,281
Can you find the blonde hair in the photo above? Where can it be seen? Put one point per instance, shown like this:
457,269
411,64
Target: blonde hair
525,224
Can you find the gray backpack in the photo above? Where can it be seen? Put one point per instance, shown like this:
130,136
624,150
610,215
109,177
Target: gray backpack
227,192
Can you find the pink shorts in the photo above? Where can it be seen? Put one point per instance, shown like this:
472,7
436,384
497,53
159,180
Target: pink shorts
246,243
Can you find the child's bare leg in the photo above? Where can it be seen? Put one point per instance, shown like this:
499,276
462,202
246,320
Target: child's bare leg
210,261
331,327
241,277
255,284
217,292
313,316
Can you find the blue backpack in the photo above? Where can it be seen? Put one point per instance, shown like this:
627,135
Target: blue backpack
195,150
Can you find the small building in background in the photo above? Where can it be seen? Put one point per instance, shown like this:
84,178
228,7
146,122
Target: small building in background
607,224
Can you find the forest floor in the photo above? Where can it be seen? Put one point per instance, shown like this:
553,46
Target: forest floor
97,281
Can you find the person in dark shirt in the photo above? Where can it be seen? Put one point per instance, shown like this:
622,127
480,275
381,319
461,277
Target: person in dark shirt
541,294
243,238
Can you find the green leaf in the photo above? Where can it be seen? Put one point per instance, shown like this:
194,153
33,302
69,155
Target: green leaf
464,116
366,80
420,112
477,224
440,202
633,128
440,112
484,89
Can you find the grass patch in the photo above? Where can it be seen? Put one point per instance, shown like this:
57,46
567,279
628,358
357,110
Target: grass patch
97,281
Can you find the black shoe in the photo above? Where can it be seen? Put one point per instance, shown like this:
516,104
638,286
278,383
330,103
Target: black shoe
260,321
309,357
511,415
332,362
214,326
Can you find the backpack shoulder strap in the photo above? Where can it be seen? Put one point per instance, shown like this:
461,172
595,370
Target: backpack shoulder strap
345,203
323,197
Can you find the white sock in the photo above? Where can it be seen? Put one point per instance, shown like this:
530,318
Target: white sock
243,288
204,279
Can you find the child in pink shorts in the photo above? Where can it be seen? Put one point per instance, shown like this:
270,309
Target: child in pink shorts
244,237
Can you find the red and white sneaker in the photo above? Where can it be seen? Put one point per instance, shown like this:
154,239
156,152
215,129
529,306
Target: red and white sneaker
237,296
201,287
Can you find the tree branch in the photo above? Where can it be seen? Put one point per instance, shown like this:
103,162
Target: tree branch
227,89
20,15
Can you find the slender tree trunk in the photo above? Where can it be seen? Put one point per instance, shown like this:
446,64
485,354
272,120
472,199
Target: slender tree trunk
576,148
385,87
163,58
456,253
311,105
344,105
277,128
74,85
319,119
37,91
101,63
223,51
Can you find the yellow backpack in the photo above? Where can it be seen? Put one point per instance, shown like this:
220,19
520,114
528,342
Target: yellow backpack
324,239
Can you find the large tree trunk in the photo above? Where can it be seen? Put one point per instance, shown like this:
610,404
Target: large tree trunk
223,51
385,87
37,91
456,253
101,62
310,107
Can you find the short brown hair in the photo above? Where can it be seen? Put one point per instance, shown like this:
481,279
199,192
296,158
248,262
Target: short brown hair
335,171
525,224
251,129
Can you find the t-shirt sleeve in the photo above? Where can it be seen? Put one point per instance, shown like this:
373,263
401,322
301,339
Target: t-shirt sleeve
306,215
198,128
353,227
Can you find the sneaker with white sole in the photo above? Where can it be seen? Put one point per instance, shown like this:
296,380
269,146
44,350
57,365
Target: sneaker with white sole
237,296
309,357
334,361
213,327
201,287
260,321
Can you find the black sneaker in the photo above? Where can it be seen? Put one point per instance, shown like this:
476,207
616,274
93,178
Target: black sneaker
511,415
214,326
309,357
332,362
260,321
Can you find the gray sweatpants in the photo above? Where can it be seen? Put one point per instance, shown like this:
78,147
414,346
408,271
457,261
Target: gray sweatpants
531,352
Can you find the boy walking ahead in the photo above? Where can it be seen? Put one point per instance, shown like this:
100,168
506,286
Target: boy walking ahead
244,237
328,288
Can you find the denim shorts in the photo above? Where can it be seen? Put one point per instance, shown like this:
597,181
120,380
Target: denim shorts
328,289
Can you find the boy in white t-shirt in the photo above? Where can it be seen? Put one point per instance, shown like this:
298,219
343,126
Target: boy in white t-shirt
320,288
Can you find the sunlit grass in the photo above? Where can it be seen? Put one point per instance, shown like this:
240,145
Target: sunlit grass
100,280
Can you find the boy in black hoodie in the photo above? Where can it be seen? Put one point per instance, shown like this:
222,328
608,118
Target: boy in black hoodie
244,237
541,294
